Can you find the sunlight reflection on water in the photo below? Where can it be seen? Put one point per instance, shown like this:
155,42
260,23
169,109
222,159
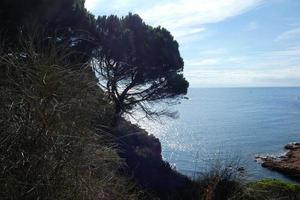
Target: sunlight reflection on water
243,122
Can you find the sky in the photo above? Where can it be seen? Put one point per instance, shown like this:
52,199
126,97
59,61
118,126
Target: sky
225,43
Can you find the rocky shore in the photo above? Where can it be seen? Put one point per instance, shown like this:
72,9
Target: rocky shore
289,164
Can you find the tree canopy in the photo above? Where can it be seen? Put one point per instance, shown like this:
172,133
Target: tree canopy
137,64
14,14
65,20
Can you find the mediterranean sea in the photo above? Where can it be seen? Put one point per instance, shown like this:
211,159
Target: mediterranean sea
229,123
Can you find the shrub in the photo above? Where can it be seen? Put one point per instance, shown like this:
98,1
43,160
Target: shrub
222,179
268,190
50,145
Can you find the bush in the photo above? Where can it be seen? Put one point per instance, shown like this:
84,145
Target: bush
222,179
269,190
50,145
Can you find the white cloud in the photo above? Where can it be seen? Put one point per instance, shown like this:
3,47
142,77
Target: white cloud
203,62
244,77
220,61
290,34
91,4
271,68
184,33
181,17
252,26
188,13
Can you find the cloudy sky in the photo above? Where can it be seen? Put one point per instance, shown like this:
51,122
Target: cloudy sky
225,43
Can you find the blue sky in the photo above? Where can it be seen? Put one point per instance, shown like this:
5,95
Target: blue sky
225,43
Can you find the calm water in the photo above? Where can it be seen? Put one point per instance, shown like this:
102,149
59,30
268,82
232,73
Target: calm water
231,122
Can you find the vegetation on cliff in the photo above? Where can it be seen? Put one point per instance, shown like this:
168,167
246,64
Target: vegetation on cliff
53,145
56,138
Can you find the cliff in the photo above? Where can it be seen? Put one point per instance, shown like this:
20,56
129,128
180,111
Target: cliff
142,153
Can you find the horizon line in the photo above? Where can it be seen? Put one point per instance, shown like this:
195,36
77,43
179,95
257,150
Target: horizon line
228,87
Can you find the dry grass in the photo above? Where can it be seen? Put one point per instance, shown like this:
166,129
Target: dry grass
51,146
222,179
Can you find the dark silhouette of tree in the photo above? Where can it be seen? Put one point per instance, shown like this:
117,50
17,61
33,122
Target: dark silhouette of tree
14,14
138,65
66,21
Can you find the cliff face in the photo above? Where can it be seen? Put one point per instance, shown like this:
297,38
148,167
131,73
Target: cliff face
137,140
142,153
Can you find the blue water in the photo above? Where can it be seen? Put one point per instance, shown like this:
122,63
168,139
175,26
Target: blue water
230,123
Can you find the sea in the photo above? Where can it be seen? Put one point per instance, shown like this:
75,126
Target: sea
224,125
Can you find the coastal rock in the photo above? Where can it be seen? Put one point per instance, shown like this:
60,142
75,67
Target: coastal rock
293,145
288,165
